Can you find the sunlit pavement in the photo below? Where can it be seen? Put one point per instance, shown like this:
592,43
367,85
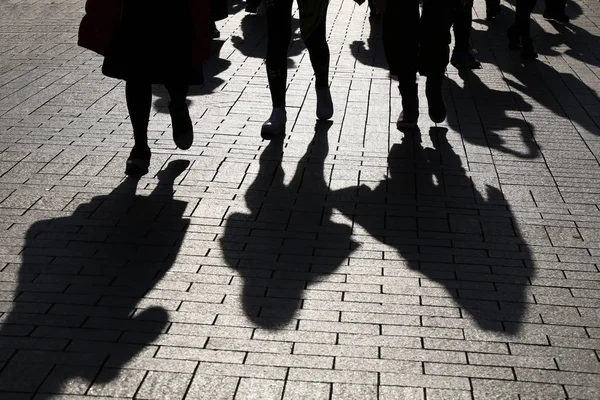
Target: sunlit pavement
348,260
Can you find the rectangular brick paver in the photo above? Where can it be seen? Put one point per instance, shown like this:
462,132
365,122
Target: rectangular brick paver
349,260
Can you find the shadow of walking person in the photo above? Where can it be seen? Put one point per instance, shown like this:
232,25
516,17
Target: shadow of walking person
253,42
496,114
469,247
370,53
561,93
293,240
204,85
80,312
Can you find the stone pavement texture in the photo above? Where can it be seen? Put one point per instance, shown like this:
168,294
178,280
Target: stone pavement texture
348,261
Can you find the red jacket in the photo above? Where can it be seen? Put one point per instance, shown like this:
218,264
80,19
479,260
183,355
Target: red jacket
99,27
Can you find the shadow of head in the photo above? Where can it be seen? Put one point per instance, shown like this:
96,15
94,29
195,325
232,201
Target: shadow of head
290,240
102,261
488,113
464,241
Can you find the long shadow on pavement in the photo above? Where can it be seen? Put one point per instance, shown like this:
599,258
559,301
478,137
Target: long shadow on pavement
465,242
293,240
562,93
77,314
491,117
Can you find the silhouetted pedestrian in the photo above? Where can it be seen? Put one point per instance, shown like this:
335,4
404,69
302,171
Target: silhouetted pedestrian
418,43
462,56
313,15
519,34
219,10
146,42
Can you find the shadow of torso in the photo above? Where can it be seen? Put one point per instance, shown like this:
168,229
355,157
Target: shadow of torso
467,247
81,307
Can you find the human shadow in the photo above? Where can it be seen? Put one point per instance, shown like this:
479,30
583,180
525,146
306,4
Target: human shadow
293,241
465,241
493,116
205,85
78,313
253,42
370,53
579,41
541,82
567,96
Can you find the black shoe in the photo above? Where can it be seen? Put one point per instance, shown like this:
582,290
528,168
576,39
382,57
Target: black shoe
275,126
251,8
183,130
215,34
527,50
138,162
558,17
464,59
435,100
410,106
514,39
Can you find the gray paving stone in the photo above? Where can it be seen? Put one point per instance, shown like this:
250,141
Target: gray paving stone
306,390
351,261
164,385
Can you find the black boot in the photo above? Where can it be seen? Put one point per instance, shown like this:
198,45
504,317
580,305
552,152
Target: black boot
527,50
409,115
514,38
138,162
435,100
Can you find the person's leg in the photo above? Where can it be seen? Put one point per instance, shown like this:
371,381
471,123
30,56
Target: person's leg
463,21
318,50
139,102
519,34
492,8
279,27
373,8
215,33
462,58
400,24
183,132
434,52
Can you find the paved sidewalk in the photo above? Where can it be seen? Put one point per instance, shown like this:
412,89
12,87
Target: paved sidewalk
349,261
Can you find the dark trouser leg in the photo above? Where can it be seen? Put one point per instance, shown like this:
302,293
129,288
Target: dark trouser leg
401,38
318,50
139,103
434,52
401,46
436,23
522,23
279,24
463,21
